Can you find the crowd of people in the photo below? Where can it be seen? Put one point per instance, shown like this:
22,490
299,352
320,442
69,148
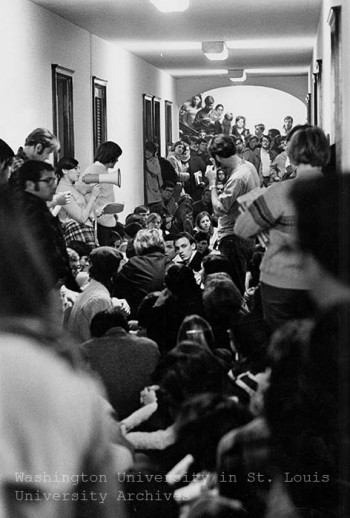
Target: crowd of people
192,361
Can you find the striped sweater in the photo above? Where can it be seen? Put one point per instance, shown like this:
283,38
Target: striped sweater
274,212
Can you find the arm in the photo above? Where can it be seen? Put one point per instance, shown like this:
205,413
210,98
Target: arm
261,215
79,214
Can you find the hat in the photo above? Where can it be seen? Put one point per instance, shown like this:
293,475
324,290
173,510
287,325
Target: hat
105,259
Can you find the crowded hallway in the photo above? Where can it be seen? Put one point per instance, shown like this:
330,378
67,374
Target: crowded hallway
174,299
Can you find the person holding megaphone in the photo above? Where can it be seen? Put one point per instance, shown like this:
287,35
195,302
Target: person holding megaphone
106,157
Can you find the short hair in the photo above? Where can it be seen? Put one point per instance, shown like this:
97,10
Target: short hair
151,146
323,220
44,137
177,143
288,118
179,279
201,236
260,126
141,209
168,185
148,240
107,152
228,116
219,106
105,262
201,215
31,170
239,117
215,263
222,146
309,145
169,237
65,163
266,136
274,132
80,247
105,320
252,137
187,235
6,153
153,217
209,100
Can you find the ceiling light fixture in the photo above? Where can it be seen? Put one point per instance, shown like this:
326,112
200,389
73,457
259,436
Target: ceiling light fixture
237,75
215,50
171,6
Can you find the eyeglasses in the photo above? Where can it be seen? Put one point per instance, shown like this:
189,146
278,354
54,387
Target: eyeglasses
49,181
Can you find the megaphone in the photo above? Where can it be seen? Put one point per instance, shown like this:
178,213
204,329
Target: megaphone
114,178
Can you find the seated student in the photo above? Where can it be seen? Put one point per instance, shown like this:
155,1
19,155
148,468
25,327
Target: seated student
96,297
181,297
169,245
183,218
204,224
144,272
204,205
202,250
124,361
168,202
185,247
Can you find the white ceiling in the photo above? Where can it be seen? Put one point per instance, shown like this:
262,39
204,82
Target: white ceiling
273,34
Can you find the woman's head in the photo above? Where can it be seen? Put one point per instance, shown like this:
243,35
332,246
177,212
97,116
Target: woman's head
196,101
178,148
108,153
197,330
68,167
203,221
154,220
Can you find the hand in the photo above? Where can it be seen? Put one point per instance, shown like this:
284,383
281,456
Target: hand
148,395
122,304
62,198
95,191
210,174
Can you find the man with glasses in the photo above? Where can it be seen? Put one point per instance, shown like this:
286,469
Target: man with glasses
37,181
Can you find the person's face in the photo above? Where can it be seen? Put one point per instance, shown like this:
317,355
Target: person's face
144,216
184,248
170,250
253,143
221,176
85,263
219,188
239,145
148,154
179,149
197,100
209,106
258,131
240,123
205,223
167,193
220,110
73,174
203,146
265,143
74,264
288,124
38,152
206,197
193,146
202,246
45,187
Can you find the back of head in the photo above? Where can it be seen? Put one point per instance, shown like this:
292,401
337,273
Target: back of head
105,262
196,329
221,298
31,171
222,146
215,263
308,145
148,240
107,152
151,147
106,320
44,137
180,280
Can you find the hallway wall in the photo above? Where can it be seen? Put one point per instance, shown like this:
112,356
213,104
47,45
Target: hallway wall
31,39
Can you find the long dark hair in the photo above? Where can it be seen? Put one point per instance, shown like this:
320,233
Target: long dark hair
65,162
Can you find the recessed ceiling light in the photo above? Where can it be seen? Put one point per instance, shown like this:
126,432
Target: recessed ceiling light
215,50
171,6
